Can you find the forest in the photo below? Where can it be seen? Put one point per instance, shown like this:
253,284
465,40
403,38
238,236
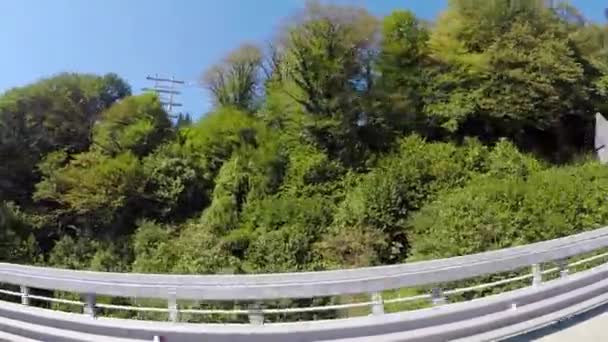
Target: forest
348,140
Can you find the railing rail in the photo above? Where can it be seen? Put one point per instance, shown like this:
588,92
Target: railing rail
371,280
305,284
313,308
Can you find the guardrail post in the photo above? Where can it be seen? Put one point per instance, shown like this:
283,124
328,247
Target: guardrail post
25,292
562,264
172,305
437,297
537,275
89,306
378,306
256,316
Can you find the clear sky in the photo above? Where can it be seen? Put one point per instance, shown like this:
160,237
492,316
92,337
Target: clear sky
135,38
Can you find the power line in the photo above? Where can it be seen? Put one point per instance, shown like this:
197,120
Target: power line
166,90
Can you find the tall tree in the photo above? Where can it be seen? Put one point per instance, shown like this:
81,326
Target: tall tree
328,55
101,189
508,68
52,114
17,244
92,194
235,81
138,124
402,62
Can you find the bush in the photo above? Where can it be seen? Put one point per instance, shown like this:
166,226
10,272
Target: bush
174,186
506,161
498,213
401,184
137,124
73,253
311,171
284,230
282,250
217,136
351,247
17,243
198,250
152,248
93,192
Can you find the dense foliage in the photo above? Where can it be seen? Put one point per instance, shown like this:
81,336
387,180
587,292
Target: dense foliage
352,141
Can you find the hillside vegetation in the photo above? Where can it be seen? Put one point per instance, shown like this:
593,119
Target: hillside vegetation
350,140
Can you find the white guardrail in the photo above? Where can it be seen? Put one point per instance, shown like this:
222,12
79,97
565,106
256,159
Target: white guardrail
493,317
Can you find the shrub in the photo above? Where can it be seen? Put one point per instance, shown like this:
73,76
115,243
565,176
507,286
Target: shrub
401,184
498,213
17,243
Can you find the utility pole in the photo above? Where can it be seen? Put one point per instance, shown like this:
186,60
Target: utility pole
166,90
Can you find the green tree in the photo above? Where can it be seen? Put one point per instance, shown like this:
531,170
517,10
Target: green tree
137,124
215,137
401,184
175,186
509,68
153,248
51,114
591,41
498,213
235,81
92,192
183,120
328,59
402,63
283,230
17,243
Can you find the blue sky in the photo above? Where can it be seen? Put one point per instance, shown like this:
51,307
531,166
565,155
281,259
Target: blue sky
134,38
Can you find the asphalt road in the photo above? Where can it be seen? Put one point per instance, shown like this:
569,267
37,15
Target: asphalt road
591,326
594,329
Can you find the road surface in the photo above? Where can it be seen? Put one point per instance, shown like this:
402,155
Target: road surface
588,327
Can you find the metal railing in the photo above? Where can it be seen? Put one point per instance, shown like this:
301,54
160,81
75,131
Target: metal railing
377,303
257,288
